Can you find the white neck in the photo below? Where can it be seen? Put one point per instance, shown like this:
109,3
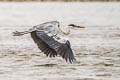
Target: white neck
63,30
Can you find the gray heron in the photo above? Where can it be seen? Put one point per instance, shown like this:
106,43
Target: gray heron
52,39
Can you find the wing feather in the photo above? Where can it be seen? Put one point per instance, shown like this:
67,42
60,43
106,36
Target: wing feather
51,47
42,45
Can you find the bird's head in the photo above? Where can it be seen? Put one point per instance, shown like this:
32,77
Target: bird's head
66,29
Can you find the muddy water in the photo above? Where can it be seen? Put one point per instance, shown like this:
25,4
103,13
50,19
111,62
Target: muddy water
96,48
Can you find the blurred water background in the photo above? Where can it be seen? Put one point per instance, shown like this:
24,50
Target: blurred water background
96,47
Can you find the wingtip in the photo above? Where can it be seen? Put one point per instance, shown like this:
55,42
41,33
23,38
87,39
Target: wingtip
73,61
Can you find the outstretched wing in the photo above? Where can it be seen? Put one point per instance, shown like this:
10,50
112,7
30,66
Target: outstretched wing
52,47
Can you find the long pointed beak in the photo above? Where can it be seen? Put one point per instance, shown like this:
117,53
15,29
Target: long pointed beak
79,27
75,26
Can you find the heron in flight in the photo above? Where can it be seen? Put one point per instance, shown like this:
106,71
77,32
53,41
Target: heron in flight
52,39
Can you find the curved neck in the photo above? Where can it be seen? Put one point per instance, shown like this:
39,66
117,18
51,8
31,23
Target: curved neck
61,30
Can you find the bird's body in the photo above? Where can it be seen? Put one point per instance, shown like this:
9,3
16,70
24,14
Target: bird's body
51,39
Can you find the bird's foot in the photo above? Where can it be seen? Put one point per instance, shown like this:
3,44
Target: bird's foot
16,33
